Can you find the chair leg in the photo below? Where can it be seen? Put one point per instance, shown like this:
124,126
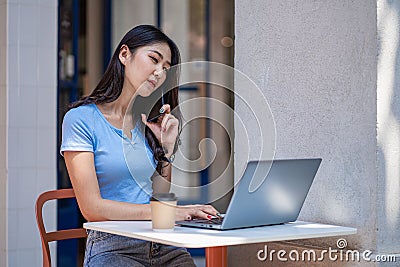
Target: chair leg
46,255
216,256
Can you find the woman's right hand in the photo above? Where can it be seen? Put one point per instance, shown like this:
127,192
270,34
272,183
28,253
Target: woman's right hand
189,212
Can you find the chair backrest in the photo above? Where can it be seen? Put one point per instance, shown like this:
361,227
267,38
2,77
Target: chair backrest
47,237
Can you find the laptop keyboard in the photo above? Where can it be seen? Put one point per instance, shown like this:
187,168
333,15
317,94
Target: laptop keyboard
212,221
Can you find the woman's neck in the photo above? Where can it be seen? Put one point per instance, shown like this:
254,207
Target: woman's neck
119,106
116,112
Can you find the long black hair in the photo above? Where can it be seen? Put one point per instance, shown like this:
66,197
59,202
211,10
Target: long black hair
110,86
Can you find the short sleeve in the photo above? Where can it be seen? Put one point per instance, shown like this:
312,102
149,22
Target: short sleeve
77,133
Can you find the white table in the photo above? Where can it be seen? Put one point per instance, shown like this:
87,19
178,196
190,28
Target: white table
216,241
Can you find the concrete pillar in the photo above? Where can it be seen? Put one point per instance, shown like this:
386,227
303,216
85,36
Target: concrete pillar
332,96
129,13
94,52
388,127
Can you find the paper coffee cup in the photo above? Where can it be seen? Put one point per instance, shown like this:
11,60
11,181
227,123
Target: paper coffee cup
163,207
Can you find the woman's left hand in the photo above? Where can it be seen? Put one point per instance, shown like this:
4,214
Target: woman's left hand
165,129
189,212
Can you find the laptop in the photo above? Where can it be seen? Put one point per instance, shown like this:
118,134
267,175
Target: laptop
278,198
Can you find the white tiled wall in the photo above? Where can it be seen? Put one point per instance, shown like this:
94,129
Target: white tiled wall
3,131
31,89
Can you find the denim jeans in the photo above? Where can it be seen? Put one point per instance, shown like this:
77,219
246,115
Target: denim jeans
103,249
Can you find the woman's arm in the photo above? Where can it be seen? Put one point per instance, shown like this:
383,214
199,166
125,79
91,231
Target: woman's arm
83,177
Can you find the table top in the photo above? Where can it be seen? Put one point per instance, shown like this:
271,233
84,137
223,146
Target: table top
200,238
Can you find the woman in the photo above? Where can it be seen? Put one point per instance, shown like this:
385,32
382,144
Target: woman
107,143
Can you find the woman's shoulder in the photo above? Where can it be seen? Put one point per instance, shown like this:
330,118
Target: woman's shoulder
83,109
81,113
78,129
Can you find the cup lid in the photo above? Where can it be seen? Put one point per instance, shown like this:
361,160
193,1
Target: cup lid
163,197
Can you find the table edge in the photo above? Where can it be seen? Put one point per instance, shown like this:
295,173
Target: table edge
344,231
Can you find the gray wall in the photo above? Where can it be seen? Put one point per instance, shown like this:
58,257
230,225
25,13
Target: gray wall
322,64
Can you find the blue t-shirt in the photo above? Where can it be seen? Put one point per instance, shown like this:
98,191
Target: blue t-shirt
123,166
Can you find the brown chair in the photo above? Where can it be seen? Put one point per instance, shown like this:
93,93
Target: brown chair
47,237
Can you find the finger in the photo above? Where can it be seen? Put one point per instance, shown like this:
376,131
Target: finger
166,108
144,119
170,119
152,125
165,120
210,210
204,215
157,118
199,213
170,123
